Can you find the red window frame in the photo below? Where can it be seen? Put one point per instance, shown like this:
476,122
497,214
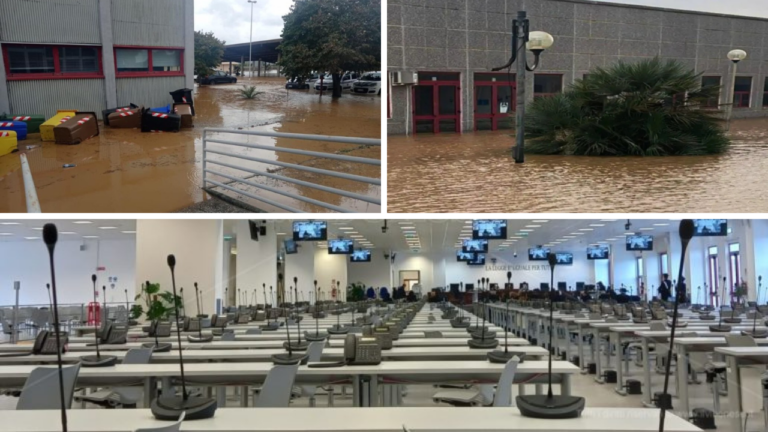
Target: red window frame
57,74
742,99
150,72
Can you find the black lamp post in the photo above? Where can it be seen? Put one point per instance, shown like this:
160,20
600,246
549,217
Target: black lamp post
536,42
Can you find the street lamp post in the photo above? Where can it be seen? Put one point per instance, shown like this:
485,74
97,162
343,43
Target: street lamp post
250,44
536,42
734,56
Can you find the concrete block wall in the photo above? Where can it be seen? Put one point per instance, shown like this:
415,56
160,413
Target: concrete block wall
469,36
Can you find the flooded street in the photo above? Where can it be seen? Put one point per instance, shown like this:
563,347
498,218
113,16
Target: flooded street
124,170
475,172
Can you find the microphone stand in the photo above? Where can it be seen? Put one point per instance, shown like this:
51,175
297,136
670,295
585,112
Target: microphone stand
497,356
50,302
173,407
299,346
665,400
290,358
550,406
720,327
482,343
128,308
200,338
756,333
50,237
98,360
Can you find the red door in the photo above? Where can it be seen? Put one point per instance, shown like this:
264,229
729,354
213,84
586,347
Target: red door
495,99
437,103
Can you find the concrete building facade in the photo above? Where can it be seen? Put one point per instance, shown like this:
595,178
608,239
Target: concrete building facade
90,55
451,46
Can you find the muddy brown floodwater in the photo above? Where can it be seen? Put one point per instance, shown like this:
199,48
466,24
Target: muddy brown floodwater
475,172
127,171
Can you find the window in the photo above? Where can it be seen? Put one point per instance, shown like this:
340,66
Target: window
25,62
131,62
713,276
741,97
639,281
711,81
547,85
765,94
734,268
664,263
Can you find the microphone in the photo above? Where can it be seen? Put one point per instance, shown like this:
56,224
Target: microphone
290,358
50,302
128,308
550,406
172,407
199,338
482,342
720,327
685,232
50,237
98,360
317,337
756,333
298,346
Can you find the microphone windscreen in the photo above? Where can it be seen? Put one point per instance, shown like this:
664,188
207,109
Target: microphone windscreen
686,229
295,279
171,261
50,234
552,258
93,278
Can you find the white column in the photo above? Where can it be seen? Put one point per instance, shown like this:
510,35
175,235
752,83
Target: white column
256,260
747,252
302,266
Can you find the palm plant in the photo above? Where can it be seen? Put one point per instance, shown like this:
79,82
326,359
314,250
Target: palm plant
647,108
249,92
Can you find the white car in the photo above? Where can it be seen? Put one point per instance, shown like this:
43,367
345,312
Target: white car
347,80
369,83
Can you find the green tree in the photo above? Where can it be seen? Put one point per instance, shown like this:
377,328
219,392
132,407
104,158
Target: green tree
208,52
648,108
333,36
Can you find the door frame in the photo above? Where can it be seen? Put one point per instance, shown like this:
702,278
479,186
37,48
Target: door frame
495,115
436,117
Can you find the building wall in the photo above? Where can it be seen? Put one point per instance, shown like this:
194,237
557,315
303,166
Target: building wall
469,36
60,21
149,92
47,96
148,22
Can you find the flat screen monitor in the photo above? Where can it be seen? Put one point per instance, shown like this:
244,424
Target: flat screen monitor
544,286
710,227
495,229
462,256
360,255
469,287
341,247
478,261
538,254
454,288
598,252
475,246
562,286
564,258
290,247
310,230
579,286
639,242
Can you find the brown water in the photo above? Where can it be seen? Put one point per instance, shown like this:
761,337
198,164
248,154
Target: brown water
127,171
475,172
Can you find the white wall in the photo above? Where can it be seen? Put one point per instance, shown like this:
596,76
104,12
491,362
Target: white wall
27,262
327,268
422,263
374,273
256,260
197,245
760,231
302,266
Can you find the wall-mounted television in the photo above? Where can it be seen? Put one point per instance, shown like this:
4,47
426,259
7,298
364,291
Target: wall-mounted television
475,246
598,252
462,256
495,229
640,242
310,230
290,247
710,227
360,255
478,261
341,247
538,254
564,258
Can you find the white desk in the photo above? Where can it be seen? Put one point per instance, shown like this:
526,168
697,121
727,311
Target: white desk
424,419
735,358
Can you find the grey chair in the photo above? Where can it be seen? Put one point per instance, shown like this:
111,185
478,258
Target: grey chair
278,387
173,427
484,394
228,336
41,389
315,354
433,334
253,331
716,370
125,396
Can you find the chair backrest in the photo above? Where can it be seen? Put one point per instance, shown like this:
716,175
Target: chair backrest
734,340
503,396
276,391
315,351
173,427
41,389
253,331
138,356
228,336
658,326
433,334
131,395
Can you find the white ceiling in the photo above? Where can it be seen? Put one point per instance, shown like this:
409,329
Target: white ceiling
433,235
69,230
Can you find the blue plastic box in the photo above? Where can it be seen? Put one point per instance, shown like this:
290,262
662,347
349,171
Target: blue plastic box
164,110
17,126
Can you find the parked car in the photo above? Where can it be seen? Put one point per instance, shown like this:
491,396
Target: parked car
369,83
217,77
297,84
347,80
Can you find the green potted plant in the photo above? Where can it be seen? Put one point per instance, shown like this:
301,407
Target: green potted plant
355,292
157,305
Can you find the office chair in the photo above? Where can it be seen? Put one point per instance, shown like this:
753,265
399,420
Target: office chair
315,354
716,370
173,427
278,387
484,394
127,397
41,389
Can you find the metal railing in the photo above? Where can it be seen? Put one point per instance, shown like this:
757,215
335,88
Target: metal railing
254,172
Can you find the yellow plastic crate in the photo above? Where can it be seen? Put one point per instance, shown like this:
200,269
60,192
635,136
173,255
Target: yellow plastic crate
8,142
46,129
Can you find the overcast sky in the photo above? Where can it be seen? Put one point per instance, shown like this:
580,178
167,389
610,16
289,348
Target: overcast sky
230,19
